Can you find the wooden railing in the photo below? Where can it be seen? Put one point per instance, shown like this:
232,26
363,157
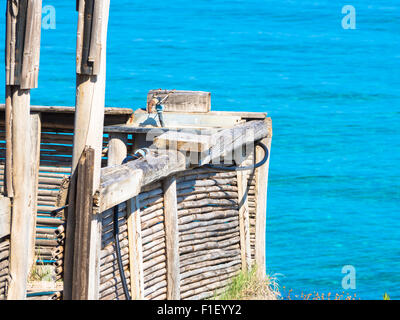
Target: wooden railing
185,232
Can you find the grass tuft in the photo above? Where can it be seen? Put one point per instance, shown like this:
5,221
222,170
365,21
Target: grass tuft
247,285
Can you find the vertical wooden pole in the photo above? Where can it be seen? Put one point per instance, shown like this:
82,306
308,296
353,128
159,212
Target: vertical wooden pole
117,149
23,25
117,152
261,209
172,238
35,163
135,249
21,225
83,211
89,121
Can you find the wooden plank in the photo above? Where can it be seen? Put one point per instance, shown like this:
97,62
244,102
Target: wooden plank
172,238
183,141
95,40
83,219
135,249
181,101
22,185
184,120
35,163
20,40
261,208
120,183
68,109
5,216
30,59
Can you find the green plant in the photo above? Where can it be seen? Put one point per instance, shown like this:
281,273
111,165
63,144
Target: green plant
386,296
247,285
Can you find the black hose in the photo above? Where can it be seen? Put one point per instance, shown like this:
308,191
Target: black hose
252,167
118,250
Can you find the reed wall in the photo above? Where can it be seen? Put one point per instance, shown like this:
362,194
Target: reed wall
209,233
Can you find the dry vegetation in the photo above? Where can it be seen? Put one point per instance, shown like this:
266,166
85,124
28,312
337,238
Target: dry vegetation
248,286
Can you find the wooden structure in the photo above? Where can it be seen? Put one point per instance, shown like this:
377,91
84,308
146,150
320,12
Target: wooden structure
186,223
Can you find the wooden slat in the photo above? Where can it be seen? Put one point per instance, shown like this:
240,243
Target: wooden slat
83,217
172,238
135,249
35,161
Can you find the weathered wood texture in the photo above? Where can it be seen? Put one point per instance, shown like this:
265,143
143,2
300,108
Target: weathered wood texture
180,101
21,224
209,233
83,219
5,216
120,183
23,29
89,119
172,238
123,182
261,209
91,29
61,117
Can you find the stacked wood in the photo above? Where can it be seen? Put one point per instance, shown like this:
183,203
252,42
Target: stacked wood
44,290
4,267
209,241
58,253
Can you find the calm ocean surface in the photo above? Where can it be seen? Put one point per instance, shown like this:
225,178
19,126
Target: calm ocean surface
333,95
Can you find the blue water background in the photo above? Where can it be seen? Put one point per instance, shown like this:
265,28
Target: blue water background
333,95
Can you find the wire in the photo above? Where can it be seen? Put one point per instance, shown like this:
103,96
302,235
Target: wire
237,168
118,250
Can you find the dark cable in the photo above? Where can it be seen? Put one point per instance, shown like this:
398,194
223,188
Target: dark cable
237,168
118,250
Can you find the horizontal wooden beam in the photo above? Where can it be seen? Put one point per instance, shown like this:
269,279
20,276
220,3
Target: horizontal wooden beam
68,109
59,117
120,183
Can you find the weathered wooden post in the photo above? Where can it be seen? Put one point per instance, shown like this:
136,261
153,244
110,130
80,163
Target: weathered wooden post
172,238
23,29
261,208
89,119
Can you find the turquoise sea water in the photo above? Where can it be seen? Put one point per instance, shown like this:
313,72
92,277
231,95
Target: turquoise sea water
333,95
